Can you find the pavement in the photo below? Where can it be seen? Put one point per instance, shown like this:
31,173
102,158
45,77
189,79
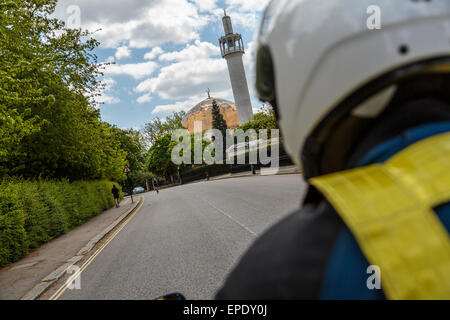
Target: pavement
293,169
18,278
279,171
184,239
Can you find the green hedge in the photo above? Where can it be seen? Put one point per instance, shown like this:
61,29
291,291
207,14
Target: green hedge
34,212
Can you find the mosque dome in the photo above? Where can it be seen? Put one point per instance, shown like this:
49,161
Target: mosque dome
203,112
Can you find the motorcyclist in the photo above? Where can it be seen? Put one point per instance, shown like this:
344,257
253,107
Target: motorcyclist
366,113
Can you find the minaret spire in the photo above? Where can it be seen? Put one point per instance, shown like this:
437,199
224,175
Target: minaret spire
232,49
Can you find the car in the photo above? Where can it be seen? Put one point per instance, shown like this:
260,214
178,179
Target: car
244,147
237,149
138,190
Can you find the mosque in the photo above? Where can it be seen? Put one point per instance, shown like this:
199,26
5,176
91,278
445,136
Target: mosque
203,112
232,49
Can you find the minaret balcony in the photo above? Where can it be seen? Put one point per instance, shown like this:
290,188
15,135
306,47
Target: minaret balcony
231,50
231,44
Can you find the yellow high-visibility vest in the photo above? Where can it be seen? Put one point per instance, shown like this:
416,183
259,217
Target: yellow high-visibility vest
389,209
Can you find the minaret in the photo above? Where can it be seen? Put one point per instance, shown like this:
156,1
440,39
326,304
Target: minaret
232,49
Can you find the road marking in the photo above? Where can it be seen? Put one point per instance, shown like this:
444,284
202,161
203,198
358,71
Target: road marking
231,218
71,279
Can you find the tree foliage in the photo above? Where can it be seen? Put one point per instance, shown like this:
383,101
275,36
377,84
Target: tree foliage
141,177
49,78
159,159
50,129
158,128
218,122
131,141
263,120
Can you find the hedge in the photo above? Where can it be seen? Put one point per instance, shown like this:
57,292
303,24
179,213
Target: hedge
34,212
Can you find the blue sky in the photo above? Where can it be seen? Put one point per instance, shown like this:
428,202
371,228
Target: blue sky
166,52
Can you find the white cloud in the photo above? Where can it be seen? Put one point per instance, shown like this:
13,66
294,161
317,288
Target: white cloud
105,95
156,51
243,13
144,98
198,50
249,65
184,79
122,52
189,103
248,20
109,83
107,99
247,5
194,69
139,23
136,70
206,5
177,106
154,23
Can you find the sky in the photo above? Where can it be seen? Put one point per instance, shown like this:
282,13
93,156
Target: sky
166,52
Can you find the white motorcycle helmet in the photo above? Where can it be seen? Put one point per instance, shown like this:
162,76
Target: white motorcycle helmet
321,63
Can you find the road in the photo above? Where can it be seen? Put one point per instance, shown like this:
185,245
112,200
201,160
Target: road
187,239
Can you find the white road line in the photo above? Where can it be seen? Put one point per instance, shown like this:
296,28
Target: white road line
232,219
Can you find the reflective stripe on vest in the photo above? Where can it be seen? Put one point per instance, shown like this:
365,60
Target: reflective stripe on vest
389,209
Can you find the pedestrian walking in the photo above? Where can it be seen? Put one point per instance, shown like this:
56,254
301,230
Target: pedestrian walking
115,192
155,185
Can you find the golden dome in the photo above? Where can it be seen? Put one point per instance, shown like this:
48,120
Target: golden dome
203,112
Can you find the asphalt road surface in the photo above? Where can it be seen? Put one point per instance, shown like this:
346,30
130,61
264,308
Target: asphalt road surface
187,239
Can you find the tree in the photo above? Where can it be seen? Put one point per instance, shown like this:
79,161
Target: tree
158,128
112,157
49,77
14,92
265,112
37,50
131,141
197,139
260,124
141,177
263,120
13,128
159,159
218,122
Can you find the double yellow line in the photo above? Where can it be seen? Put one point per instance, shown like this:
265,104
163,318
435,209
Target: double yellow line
72,278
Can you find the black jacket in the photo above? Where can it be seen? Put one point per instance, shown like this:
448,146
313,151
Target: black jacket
115,192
